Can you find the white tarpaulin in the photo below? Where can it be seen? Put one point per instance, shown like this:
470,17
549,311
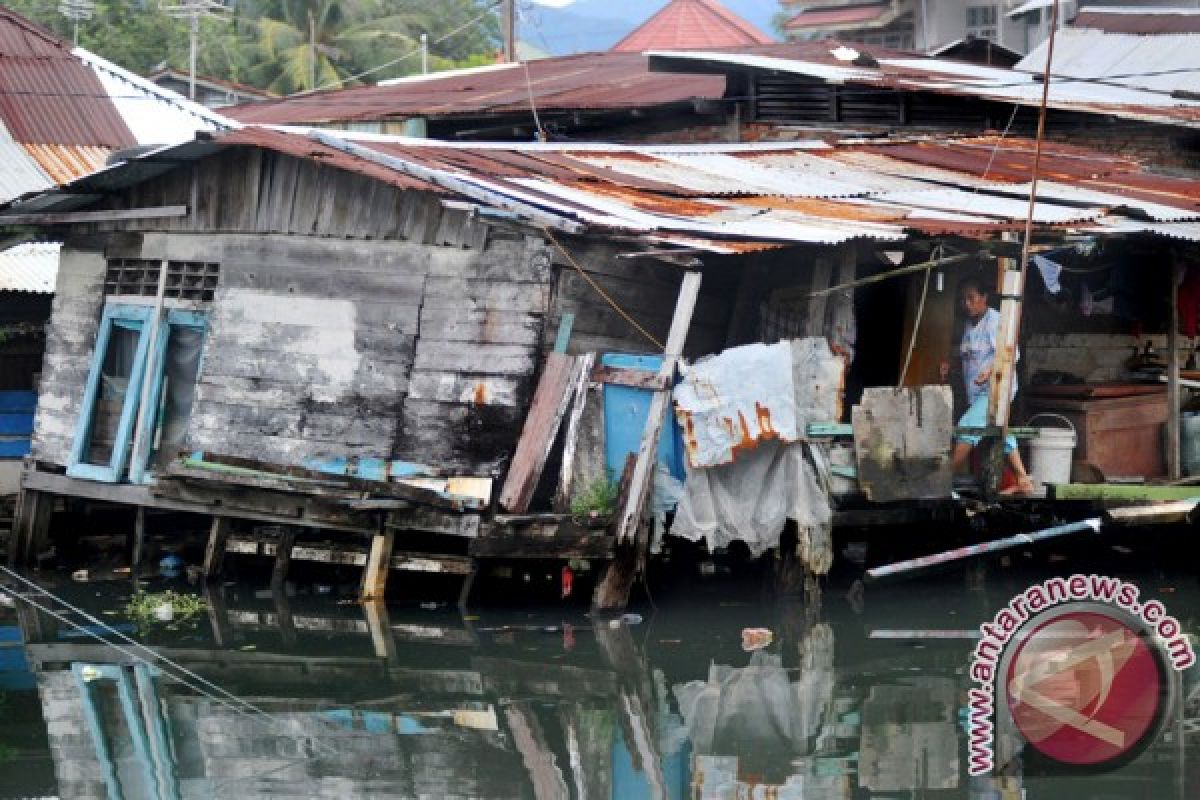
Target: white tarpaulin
730,402
751,500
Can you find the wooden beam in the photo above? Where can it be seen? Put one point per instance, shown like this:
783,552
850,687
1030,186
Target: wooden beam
579,391
621,376
214,552
380,627
643,469
541,427
73,217
1116,491
375,574
139,538
1157,514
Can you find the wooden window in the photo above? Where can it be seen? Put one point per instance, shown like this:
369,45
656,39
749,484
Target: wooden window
107,438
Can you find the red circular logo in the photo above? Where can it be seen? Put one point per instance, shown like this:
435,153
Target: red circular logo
1085,688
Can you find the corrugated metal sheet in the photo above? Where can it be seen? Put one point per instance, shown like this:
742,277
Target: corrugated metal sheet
941,76
1141,20
155,115
49,96
30,267
886,190
19,173
64,163
1161,63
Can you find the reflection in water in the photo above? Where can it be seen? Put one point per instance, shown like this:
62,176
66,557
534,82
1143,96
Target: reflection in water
347,701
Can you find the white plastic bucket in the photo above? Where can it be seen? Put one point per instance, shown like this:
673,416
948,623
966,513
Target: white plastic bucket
1051,453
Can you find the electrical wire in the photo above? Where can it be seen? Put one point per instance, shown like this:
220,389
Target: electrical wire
533,104
158,657
469,23
600,290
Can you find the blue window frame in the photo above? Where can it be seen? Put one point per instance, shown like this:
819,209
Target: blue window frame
107,438
110,397
176,361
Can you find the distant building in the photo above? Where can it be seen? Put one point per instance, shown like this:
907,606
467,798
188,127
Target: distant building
692,25
210,92
931,25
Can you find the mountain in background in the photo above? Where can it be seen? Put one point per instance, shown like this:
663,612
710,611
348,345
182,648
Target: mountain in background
590,25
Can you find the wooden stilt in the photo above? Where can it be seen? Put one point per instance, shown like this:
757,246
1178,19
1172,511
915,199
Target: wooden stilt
31,527
283,613
283,558
218,615
375,574
379,624
214,553
1174,454
612,592
139,539
464,594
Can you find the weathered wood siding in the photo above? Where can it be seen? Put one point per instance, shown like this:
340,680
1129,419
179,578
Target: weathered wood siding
70,340
331,348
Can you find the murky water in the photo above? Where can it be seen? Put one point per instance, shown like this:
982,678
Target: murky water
865,697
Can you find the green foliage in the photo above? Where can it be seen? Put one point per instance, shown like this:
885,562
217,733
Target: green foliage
598,498
143,609
285,45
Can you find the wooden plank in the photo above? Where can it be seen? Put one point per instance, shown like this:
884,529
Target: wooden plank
375,574
562,497
540,429
637,378
1167,513
631,513
567,541
1126,492
80,217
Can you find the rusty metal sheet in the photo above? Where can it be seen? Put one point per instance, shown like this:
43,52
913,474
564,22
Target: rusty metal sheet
731,402
1141,20
64,163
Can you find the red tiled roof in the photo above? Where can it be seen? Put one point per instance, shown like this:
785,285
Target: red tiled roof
48,96
691,25
826,17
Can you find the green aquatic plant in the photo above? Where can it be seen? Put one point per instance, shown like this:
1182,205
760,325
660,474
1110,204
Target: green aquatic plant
597,499
169,608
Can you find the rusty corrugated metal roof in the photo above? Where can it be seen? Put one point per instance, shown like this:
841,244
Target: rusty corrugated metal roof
49,96
64,163
1140,20
967,186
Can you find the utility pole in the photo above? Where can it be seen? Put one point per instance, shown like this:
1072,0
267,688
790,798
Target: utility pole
76,10
510,31
424,53
193,10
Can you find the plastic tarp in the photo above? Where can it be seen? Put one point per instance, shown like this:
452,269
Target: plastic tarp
747,488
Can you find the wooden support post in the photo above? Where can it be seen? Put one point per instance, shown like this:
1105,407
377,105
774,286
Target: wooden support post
612,591
379,624
214,553
139,539
1174,460
218,615
375,573
31,527
283,612
283,558
566,474
643,469
1010,284
464,593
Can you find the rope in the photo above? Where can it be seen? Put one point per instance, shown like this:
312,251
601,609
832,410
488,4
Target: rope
600,291
912,342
